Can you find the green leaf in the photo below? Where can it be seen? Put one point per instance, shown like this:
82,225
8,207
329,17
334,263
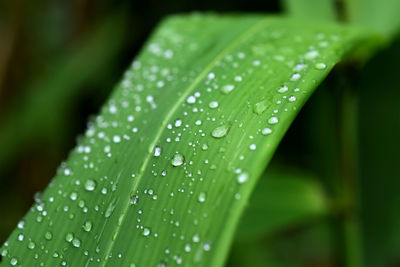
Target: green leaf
381,16
165,171
311,9
282,199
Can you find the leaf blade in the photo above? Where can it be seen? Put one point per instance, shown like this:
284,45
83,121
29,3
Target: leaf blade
237,61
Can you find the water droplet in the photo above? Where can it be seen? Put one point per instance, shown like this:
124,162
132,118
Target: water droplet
87,226
220,131
134,200
146,231
207,246
191,100
295,77
48,235
116,139
253,147
273,120
157,151
226,89
292,98
13,261
213,104
204,147
31,245
73,196
320,66
261,106
188,248
242,177
202,197
76,242
283,89
90,185
178,123
177,160
69,237
266,131
310,55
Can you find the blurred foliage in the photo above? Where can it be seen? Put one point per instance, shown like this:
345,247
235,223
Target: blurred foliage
59,61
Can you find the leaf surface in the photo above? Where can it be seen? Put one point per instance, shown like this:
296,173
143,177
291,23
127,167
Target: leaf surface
165,170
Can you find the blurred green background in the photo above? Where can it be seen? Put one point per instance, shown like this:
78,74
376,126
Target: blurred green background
338,202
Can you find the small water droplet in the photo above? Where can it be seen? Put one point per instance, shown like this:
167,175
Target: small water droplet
87,226
90,185
13,261
220,131
226,89
266,131
273,120
295,77
48,235
310,55
157,151
292,98
191,100
73,196
177,160
242,177
146,231
320,66
76,242
31,245
253,147
202,197
283,89
213,104
261,106
69,237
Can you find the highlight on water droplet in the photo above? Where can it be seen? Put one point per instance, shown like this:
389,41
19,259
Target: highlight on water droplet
177,160
220,131
146,231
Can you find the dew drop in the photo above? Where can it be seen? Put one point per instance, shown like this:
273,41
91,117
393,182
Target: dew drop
202,197
242,178
90,185
295,77
273,120
266,131
73,196
283,89
87,226
253,147
292,98
260,107
31,245
13,261
213,104
220,131
320,66
157,151
310,55
69,237
226,89
177,160
76,242
146,231
48,235
191,100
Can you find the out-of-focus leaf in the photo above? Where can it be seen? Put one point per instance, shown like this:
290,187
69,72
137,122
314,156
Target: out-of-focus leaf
380,15
280,200
379,148
311,9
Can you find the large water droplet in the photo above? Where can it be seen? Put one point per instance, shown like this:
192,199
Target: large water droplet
213,104
266,131
220,131
76,242
177,160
